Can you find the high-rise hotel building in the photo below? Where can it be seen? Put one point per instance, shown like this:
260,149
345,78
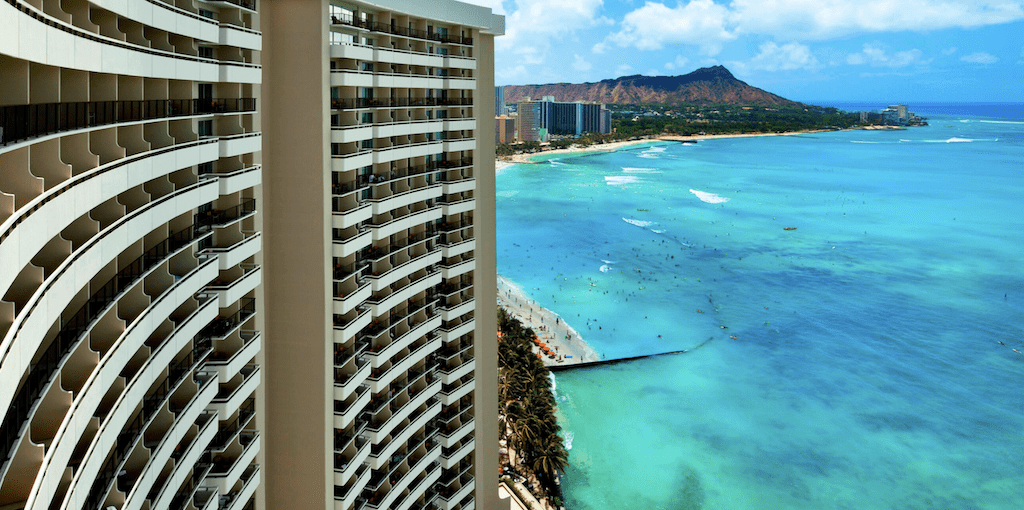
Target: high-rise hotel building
380,280
129,254
240,246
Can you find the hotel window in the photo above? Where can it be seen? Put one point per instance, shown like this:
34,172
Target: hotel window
205,128
367,66
205,52
367,118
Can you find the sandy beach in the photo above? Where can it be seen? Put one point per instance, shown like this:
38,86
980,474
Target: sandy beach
551,328
613,146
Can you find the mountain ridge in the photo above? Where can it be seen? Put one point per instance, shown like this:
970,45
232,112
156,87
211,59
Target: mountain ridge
707,85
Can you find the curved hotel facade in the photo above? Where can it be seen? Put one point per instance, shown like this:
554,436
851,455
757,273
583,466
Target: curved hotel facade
129,254
240,249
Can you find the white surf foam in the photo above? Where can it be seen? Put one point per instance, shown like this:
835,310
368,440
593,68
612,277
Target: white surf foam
1001,122
568,439
631,170
619,180
710,198
639,223
605,268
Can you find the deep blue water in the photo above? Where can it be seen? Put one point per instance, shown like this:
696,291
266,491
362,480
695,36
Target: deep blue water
873,364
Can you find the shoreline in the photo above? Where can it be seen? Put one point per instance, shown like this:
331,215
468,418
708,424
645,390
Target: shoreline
521,158
549,326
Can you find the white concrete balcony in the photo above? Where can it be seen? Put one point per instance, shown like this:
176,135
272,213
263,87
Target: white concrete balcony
345,304
227,403
396,56
224,476
230,292
453,396
456,62
448,377
342,334
382,458
386,230
465,144
452,208
230,367
252,482
345,385
407,81
343,419
448,462
239,72
452,439
378,434
413,127
243,143
352,217
415,150
450,188
353,51
55,294
351,78
231,256
381,381
381,306
452,250
448,503
240,37
459,83
421,466
413,196
347,502
459,124
182,469
352,468
433,475
355,133
387,278
458,331
342,249
25,233
353,161
407,339
238,180
454,312
449,272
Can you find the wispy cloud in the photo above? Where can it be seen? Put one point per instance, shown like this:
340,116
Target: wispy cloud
653,26
980,58
875,55
532,25
580,64
678,63
786,57
949,51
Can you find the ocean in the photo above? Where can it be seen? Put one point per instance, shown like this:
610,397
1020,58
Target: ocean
863,359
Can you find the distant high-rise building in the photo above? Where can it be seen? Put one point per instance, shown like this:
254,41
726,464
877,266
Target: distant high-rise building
533,121
558,118
499,101
505,129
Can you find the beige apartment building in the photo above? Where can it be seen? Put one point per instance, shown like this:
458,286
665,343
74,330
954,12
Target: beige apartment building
380,238
129,254
240,245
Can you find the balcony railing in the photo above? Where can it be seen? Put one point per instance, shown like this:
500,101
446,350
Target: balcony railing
220,217
374,26
395,102
45,368
21,122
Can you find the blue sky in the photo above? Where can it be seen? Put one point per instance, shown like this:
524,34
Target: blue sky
808,50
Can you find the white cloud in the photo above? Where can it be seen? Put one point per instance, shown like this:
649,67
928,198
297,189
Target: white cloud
949,51
708,25
653,26
876,56
532,25
678,63
828,19
787,57
580,65
980,58
623,69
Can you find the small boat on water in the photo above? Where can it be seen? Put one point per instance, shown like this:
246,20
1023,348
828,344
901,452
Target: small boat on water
789,228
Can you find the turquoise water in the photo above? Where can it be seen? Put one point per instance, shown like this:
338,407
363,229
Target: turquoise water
867,369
